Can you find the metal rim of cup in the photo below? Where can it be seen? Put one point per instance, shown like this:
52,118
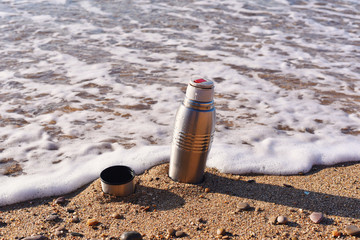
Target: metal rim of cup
117,175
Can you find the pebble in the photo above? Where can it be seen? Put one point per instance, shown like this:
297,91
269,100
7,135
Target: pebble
145,208
92,222
132,235
60,231
75,219
220,231
52,218
201,220
37,237
243,206
171,231
316,217
207,190
335,233
117,216
60,200
51,146
352,230
76,234
282,220
62,228
69,210
179,234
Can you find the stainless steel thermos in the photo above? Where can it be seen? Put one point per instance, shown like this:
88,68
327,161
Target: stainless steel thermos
193,132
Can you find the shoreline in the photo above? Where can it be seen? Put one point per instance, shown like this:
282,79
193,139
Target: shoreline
199,211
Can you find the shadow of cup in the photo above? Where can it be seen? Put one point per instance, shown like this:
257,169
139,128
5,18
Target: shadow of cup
153,198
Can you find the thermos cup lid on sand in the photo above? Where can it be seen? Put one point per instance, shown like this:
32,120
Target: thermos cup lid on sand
118,180
201,90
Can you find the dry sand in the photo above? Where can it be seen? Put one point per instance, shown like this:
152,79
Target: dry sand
199,210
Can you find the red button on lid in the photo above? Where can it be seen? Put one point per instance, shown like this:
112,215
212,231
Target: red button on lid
199,80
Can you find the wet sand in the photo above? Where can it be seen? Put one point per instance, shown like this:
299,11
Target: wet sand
160,204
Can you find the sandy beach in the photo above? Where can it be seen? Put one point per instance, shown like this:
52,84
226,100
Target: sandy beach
159,206
89,84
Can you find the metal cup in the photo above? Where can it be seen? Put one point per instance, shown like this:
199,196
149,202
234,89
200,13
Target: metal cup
118,180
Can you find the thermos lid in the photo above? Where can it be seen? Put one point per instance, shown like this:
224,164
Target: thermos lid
202,83
201,90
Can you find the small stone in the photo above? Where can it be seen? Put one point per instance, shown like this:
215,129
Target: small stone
69,210
61,228
282,220
51,146
201,220
145,208
37,237
179,234
316,217
243,206
352,230
92,222
60,200
207,190
220,231
52,218
76,234
171,231
336,233
132,235
117,216
60,231
75,219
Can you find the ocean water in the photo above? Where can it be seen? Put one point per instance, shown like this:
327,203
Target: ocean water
89,84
